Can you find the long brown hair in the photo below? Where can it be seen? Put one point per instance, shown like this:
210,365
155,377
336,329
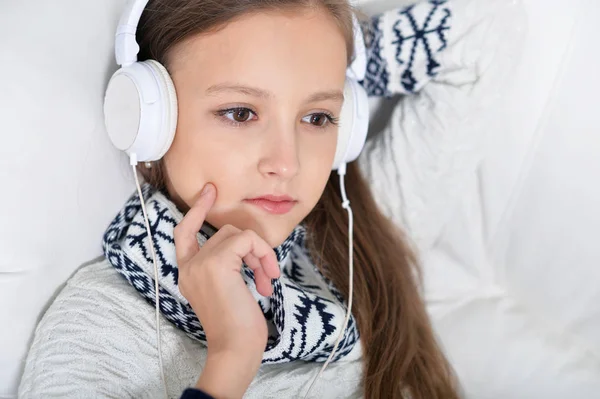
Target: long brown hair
401,355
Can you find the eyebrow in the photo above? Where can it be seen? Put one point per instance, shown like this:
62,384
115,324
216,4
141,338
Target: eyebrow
246,90
333,95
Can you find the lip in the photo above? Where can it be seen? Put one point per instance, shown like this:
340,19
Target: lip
275,204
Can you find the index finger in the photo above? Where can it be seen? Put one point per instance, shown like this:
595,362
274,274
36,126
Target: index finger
186,243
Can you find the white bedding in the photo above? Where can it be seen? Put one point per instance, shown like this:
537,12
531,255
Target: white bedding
501,196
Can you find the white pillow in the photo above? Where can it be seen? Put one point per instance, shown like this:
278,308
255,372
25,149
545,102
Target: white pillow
61,179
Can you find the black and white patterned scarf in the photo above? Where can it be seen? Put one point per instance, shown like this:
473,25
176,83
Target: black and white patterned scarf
304,315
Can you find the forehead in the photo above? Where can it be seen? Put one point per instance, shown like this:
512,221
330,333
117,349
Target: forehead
269,47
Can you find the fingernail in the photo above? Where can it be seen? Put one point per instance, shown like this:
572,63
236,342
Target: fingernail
205,190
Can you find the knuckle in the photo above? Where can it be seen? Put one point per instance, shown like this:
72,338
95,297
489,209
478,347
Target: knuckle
226,227
249,234
229,228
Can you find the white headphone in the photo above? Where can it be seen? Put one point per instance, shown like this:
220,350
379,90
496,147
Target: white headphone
140,105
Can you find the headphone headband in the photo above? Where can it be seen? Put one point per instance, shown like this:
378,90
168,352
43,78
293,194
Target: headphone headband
127,48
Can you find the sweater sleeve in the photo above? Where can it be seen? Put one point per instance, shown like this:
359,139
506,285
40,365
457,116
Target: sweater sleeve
97,340
403,47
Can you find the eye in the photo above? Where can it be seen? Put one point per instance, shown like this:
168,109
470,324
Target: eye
238,115
320,119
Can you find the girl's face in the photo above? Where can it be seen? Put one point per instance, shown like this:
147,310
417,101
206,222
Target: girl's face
258,107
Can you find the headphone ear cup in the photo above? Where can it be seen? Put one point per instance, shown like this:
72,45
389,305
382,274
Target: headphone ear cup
170,112
140,110
354,124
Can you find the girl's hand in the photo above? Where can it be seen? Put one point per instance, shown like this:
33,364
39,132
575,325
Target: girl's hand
210,279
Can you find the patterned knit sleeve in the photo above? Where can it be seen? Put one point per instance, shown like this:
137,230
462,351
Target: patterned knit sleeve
403,47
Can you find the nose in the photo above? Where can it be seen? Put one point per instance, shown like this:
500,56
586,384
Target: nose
280,153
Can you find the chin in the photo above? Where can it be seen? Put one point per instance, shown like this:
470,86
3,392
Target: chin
274,230
274,235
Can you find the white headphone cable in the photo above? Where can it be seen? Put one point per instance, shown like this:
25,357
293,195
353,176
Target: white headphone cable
345,205
133,162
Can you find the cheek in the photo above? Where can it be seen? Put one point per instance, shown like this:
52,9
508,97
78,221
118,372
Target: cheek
201,155
323,150
316,167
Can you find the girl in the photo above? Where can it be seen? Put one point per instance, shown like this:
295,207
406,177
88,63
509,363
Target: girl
259,89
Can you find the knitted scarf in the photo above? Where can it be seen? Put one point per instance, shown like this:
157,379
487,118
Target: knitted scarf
304,315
